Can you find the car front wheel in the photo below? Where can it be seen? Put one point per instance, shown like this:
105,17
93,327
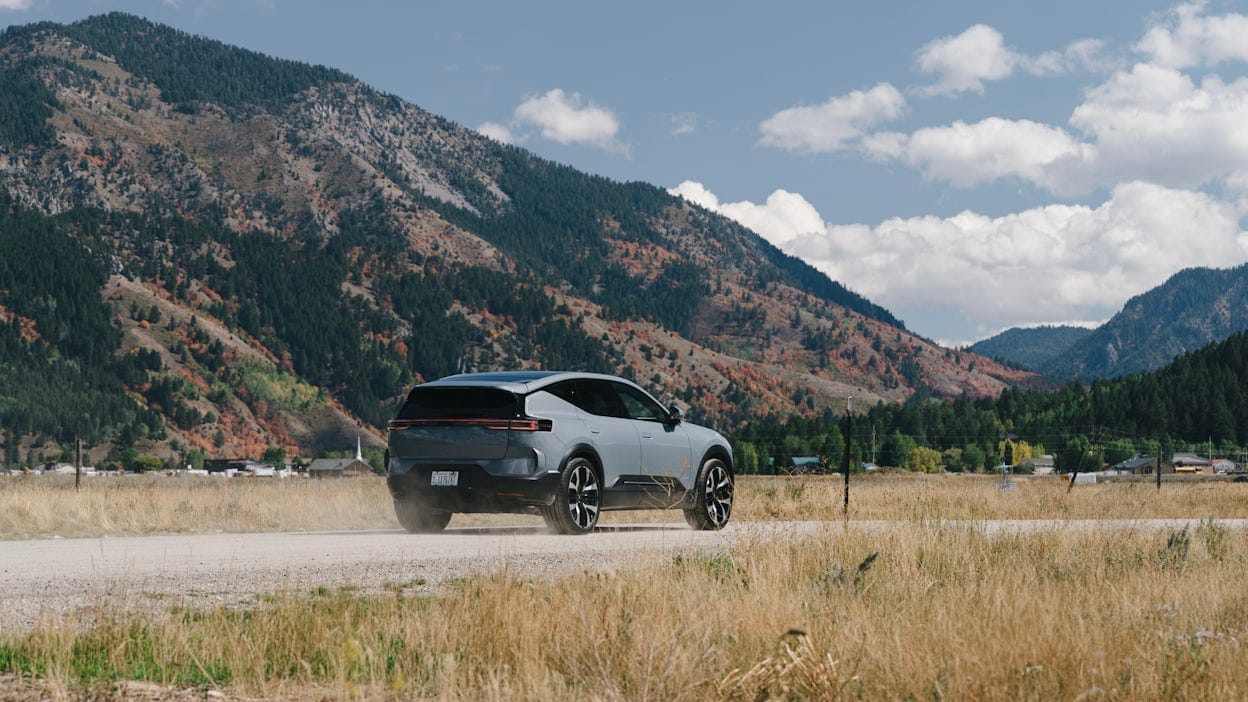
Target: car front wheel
418,519
712,497
577,501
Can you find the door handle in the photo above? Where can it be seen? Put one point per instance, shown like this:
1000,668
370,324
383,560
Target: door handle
647,436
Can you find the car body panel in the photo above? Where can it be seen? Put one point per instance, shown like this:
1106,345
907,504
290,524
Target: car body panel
617,445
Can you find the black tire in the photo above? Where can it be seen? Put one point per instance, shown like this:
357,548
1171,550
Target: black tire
418,519
578,501
712,497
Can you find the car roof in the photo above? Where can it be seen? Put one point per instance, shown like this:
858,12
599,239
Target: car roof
521,382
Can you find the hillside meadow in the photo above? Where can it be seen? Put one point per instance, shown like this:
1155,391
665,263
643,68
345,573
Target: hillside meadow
929,607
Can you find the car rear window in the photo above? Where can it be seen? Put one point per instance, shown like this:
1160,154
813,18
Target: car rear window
458,403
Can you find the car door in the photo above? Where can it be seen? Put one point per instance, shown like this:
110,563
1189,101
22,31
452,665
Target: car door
664,444
612,432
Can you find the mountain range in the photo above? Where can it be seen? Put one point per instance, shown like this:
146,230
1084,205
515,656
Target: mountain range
1196,307
217,250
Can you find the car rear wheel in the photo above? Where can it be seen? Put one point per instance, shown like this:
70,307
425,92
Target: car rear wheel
419,519
712,497
578,499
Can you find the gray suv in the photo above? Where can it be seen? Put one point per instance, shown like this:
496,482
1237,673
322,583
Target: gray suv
564,445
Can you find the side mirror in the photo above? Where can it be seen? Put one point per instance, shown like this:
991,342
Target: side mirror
674,415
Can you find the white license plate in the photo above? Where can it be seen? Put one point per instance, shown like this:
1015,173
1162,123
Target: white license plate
444,478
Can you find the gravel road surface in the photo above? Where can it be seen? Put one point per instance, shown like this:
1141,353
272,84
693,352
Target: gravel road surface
74,577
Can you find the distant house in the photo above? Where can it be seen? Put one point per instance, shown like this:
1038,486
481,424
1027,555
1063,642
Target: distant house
259,470
226,466
339,468
1222,466
1038,465
1191,463
805,464
1142,465
232,467
68,469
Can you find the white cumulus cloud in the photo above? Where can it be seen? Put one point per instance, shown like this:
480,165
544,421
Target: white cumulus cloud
570,119
1155,123
963,63
1044,265
967,155
1188,38
498,132
15,4
783,217
1148,122
835,124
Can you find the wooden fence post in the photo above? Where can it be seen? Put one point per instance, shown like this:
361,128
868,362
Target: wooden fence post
1158,467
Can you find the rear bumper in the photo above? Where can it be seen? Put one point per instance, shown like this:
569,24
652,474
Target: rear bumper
476,490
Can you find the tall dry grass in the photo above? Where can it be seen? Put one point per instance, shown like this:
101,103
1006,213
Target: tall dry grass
899,495
922,611
42,506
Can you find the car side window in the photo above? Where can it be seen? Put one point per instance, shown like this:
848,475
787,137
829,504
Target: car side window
639,405
600,398
566,391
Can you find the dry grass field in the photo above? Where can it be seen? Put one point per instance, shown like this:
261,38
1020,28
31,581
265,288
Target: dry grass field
930,608
45,506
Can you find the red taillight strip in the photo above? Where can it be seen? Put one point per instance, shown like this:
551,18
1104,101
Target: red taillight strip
532,425
484,423
493,424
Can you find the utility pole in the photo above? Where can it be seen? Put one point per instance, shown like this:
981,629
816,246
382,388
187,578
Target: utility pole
77,464
849,440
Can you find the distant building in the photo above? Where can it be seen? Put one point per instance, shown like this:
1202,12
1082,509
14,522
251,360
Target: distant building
1142,465
338,468
1191,463
231,467
805,464
68,469
341,467
227,466
1038,465
1221,466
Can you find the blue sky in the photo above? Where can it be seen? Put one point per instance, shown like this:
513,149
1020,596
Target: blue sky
970,166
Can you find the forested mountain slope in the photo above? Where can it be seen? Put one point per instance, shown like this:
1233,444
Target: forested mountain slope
1200,398
270,253
1194,308
1030,348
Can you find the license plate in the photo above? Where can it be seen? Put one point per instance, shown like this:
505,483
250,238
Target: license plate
444,478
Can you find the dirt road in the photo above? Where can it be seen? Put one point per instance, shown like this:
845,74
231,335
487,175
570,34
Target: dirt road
57,577
71,577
